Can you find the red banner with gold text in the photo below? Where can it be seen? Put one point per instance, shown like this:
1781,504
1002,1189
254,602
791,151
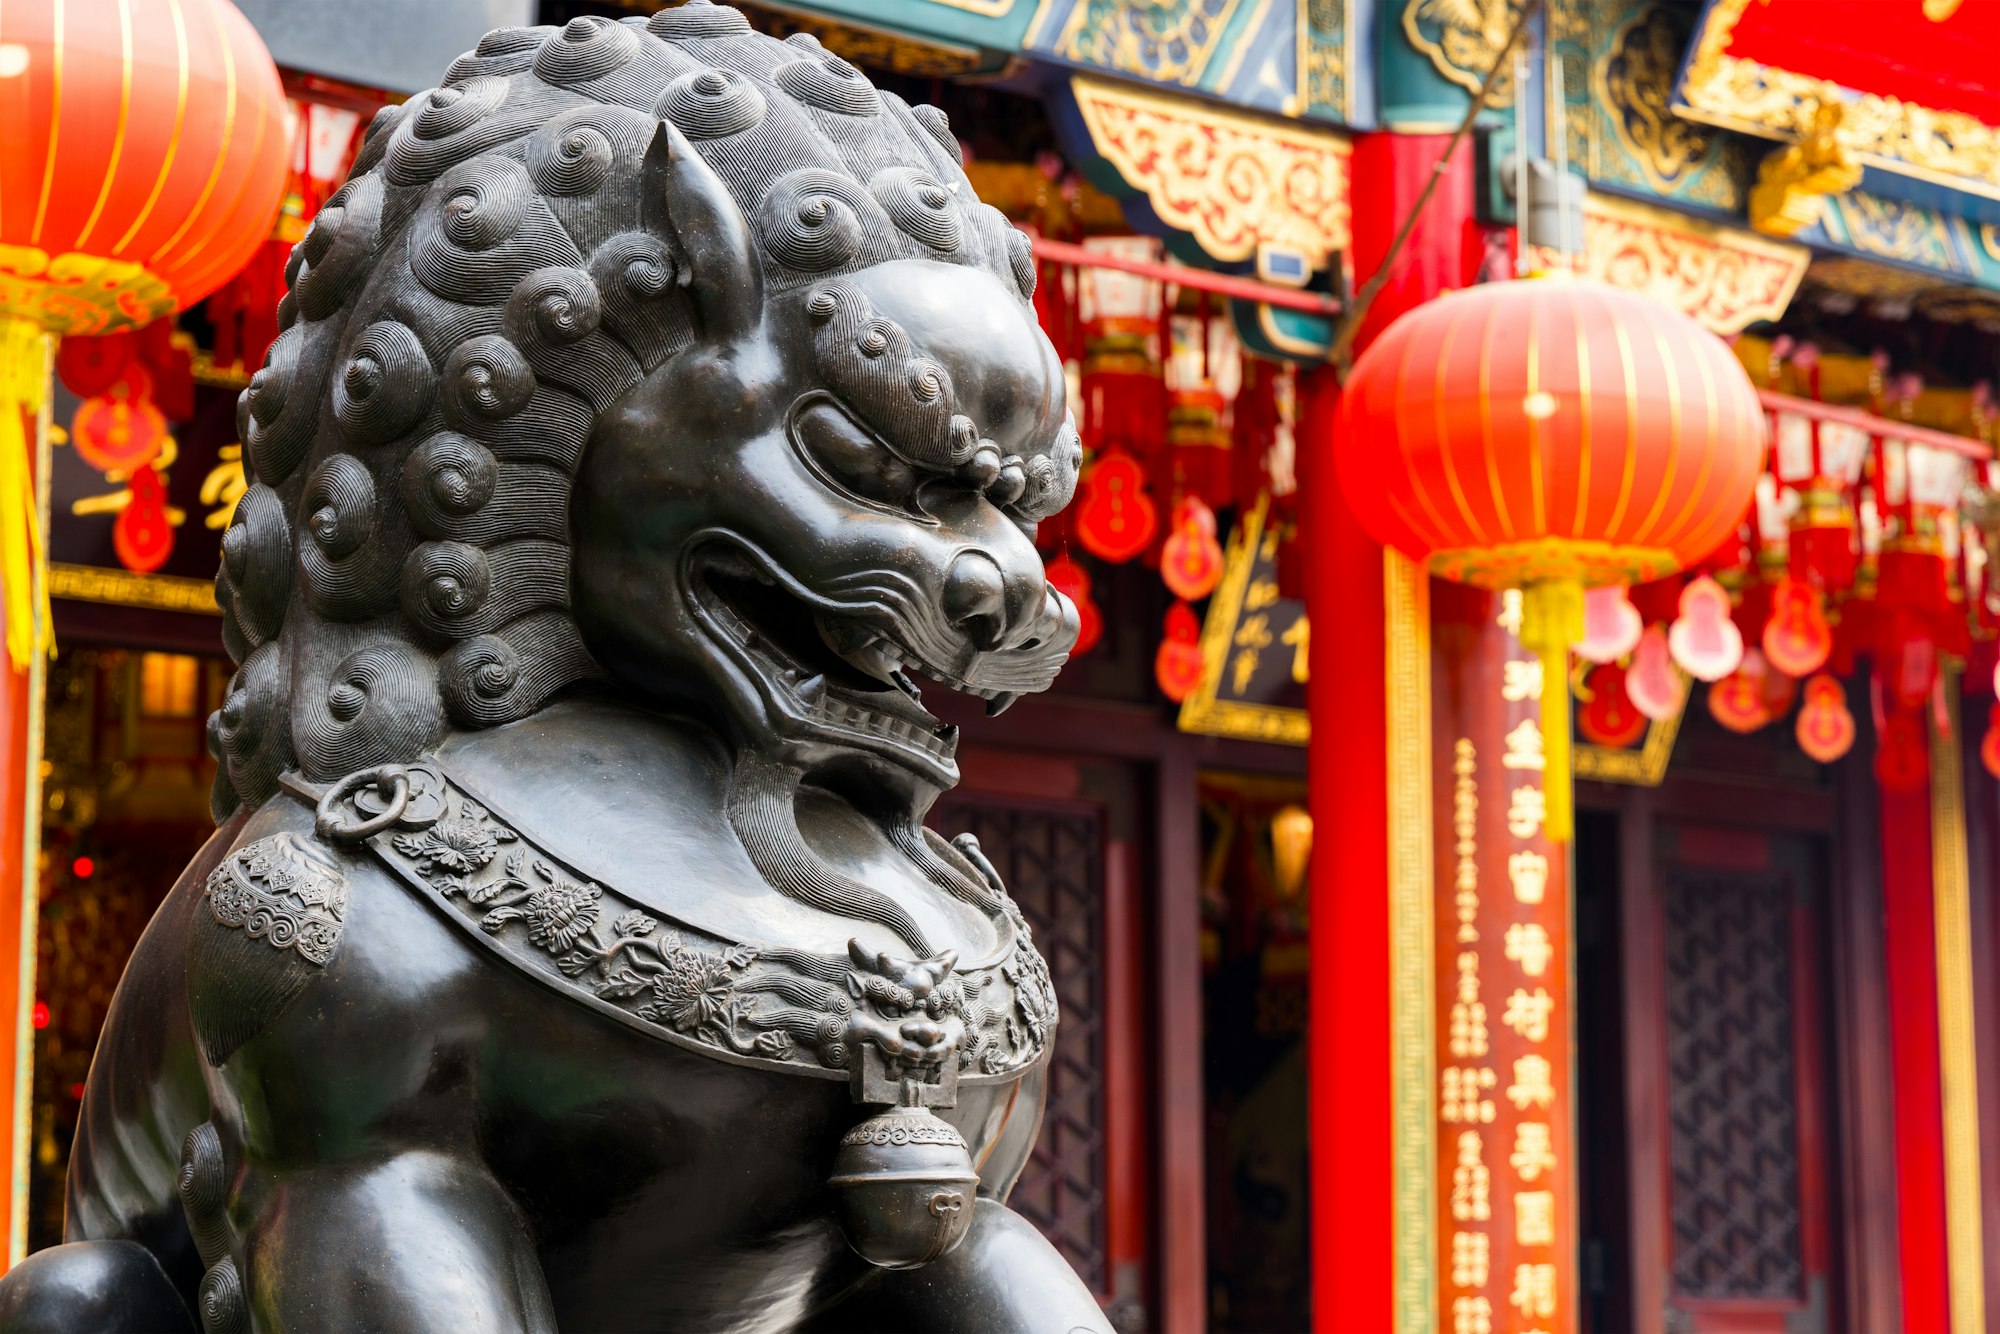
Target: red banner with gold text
1505,1141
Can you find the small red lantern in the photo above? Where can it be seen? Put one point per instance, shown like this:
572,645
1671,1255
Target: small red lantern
1508,436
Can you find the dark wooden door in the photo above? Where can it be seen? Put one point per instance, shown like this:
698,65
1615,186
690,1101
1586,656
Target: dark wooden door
1727,1092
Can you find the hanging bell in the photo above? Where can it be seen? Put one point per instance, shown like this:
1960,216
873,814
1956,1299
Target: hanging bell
904,1184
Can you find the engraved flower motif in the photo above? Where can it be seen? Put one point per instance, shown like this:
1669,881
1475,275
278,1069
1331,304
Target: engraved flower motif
461,843
694,991
558,912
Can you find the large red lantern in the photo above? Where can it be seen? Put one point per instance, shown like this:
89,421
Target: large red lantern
141,162
1551,434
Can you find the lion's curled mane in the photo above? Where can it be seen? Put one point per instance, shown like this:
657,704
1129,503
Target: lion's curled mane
488,281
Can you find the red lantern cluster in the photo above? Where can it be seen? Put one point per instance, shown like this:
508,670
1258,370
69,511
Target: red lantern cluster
1177,423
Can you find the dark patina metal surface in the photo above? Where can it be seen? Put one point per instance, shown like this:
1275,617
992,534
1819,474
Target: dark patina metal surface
657,414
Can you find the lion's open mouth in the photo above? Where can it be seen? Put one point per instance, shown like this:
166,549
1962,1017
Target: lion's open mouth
825,670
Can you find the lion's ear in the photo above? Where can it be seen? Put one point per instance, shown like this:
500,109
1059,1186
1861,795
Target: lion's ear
687,203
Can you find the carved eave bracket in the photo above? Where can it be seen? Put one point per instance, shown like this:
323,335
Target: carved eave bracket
1723,277
1245,188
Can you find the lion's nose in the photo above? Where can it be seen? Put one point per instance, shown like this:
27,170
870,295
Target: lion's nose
975,598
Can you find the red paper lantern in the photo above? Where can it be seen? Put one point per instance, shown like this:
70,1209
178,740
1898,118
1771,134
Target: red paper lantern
143,159
1523,432
1551,434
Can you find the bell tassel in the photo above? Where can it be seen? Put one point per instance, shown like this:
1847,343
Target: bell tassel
1552,620
23,375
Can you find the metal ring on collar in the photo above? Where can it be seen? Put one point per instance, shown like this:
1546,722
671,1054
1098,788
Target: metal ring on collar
332,823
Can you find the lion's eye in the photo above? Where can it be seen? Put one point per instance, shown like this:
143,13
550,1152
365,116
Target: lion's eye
847,455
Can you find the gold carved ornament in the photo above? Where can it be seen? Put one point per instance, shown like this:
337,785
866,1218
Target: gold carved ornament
1463,38
1723,278
1948,147
1234,182
1166,41
1634,83
1793,182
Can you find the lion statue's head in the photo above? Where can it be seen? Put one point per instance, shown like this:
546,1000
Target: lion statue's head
657,353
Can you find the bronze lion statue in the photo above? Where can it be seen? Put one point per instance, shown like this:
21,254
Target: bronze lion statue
655,401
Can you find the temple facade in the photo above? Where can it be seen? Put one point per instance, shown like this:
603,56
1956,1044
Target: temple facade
1354,1037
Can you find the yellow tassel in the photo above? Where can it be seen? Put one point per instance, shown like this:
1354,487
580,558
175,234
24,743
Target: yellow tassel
23,373
1552,620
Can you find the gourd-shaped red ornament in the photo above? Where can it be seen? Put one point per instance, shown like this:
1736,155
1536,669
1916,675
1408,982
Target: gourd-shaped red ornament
1073,582
1655,687
1115,518
1177,664
1704,640
1738,701
122,429
1608,717
1191,557
141,536
1797,638
1611,625
1825,726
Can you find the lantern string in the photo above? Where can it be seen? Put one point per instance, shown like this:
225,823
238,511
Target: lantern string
1350,323
1552,620
23,375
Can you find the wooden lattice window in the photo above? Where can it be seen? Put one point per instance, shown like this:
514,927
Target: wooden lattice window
1053,863
1733,1085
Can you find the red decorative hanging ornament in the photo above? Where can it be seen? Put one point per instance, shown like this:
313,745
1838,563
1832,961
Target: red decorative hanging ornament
89,365
122,429
1191,557
1738,701
1825,726
1123,386
143,535
1797,638
1703,638
1177,664
1902,751
1115,518
1989,745
1608,717
1657,689
1073,582
1611,625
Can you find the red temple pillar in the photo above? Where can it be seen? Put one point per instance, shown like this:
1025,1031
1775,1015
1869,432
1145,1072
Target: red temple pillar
23,394
1358,1229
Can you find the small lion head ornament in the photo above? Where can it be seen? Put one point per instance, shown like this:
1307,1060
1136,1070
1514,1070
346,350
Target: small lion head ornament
655,353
